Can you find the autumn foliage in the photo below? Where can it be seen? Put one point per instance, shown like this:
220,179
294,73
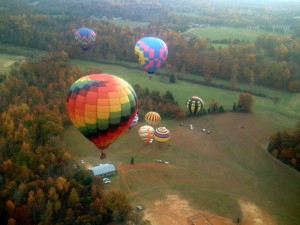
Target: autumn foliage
285,146
38,181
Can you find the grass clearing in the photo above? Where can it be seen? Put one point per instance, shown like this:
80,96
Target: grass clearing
126,23
213,172
220,33
6,60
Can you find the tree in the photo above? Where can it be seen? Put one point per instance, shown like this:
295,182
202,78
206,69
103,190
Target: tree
245,102
73,198
234,107
172,79
132,161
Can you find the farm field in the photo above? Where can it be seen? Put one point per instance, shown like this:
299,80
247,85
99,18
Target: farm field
283,114
211,174
126,23
225,176
219,33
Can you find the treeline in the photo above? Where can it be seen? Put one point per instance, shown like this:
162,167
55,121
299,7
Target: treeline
38,181
270,61
165,105
285,146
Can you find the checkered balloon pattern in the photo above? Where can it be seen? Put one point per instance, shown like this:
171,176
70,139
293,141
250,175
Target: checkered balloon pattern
151,53
102,107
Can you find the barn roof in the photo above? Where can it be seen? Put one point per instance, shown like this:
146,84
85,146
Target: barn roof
102,169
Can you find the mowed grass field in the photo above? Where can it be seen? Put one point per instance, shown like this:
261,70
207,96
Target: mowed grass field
220,33
212,171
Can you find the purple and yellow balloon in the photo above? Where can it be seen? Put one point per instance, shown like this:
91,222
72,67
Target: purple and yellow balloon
151,53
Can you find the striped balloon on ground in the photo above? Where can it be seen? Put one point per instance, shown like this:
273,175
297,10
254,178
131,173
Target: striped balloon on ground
161,134
101,107
146,133
151,53
194,104
85,38
152,118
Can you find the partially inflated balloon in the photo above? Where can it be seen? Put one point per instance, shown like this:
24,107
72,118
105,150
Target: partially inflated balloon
102,107
146,133
151,53
194,104
152,118
134,121
162,134
85,38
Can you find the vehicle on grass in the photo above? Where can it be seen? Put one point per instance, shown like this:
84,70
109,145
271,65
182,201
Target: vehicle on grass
139,207
106,180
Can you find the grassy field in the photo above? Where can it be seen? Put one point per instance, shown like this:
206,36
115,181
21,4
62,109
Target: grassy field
6,60
219,33
126,23
11,54
211,171
285,113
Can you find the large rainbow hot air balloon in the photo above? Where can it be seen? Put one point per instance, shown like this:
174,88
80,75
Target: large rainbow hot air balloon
152,118
194,104
85,38
101,107
151,53
146,133
161,134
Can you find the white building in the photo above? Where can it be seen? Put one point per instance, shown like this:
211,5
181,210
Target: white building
103,170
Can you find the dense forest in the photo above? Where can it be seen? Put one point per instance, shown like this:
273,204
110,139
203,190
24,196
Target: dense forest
272,60
38,181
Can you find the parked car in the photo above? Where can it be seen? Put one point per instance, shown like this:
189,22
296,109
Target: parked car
139,207
106,180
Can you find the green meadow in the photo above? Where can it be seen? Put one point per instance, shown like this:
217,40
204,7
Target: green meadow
213,172
220,33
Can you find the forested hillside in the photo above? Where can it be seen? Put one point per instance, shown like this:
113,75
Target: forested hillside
38,181
271,61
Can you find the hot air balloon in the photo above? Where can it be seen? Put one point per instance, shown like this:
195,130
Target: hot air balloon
151,53
146,133
161,134
152,118
134,121
101,107
194,104
85,38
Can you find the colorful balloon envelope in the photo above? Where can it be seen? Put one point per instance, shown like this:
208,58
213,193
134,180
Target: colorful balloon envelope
85,38
151,53
101,107
152,118
194,104
134,121
146,133
161,134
